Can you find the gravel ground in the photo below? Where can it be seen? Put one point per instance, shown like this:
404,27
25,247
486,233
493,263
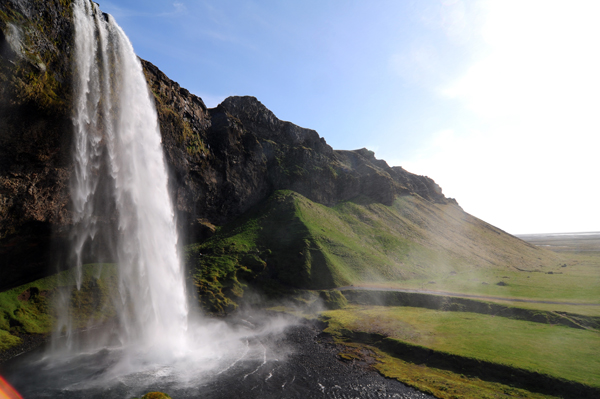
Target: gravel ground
310,368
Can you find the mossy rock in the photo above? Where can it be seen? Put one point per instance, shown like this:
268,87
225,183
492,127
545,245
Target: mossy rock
156,395
333,299
31,308
7,340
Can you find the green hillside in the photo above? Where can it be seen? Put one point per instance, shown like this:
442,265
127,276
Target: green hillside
290,241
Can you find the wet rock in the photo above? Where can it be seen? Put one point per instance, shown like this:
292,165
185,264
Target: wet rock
35,134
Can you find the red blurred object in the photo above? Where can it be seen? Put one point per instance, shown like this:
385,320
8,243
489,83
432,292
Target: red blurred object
7,391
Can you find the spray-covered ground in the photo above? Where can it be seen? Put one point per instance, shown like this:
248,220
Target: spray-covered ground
249,357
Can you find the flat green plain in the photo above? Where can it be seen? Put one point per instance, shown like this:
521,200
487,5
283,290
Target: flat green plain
576,286
554,350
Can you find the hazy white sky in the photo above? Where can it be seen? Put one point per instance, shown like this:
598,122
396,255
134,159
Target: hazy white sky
497,101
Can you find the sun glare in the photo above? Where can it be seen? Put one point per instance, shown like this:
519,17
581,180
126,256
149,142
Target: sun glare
534,96
542,61
7,391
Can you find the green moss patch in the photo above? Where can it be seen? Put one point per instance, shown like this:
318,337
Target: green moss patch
39,74
7,340
333,299
32,308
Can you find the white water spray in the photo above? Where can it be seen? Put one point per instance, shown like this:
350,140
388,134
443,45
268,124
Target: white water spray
120,179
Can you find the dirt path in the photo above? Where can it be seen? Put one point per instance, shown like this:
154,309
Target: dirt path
453,294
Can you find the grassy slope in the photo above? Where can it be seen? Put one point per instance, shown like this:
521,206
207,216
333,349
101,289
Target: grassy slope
298,243
301,244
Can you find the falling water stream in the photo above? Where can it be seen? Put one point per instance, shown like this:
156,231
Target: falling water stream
122,211
118,160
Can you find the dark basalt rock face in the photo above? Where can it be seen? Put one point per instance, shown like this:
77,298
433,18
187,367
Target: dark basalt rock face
299,160
222,161
35,125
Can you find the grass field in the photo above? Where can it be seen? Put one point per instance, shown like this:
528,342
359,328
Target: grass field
557,351
554,350
577,283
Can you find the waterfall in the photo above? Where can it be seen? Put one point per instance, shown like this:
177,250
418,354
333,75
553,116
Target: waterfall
122,215
120,180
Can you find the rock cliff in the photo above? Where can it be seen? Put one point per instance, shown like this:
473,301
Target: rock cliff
227,159
222,161
35,126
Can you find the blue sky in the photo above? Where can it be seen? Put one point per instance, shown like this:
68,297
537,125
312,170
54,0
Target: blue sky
494,100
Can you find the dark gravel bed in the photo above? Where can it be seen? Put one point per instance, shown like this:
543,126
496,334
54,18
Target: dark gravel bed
311,368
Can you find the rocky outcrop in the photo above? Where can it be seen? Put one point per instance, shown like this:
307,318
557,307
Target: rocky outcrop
222,161
298,159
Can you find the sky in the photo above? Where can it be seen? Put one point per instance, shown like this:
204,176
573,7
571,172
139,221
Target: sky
497,101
